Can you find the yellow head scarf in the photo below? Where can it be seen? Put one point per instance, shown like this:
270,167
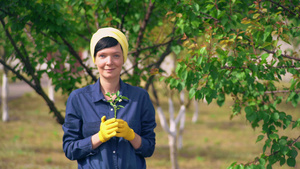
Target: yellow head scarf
109,32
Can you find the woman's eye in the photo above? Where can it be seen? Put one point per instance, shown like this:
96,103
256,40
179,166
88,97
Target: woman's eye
101,56
117,56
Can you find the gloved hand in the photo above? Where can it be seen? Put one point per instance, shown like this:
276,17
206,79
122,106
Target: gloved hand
124,130
108,129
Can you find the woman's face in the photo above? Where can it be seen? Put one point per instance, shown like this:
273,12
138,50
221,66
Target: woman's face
109,62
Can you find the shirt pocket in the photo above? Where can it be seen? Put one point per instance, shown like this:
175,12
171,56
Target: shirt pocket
90,128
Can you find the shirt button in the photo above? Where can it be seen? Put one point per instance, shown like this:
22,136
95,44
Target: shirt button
114,152
111,109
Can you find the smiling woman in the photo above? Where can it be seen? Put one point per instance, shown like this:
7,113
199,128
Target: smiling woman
109,60
124,140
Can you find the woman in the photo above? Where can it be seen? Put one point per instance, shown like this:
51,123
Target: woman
92,135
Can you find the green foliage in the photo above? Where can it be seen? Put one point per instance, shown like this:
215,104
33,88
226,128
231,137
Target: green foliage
48,37
226,49
233,52
114,102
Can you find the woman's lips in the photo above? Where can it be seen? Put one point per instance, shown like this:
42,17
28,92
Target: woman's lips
109,70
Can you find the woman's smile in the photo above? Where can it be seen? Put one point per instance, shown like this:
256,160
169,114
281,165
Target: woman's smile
109,69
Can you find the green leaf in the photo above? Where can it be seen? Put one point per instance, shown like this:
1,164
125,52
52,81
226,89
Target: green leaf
267,32
250,114
240,166
275,116
196,7
210,6
192,93
284,150
293,153
232,165
296,123
176,49
255,16
136,27
291,162
282,161
248,110
275,147
283,142
221,99
259,138
286,122
269,166
274,136
124,97
265,56
297,144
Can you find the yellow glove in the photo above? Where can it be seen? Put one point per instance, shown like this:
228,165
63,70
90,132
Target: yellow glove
107,129
124,130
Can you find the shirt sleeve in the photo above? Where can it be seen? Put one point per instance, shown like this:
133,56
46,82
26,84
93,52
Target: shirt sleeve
75,145
148,125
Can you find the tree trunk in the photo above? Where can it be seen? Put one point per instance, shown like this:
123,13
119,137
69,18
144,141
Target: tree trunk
181,120
59,118
173,151
181,129
196,111
173,136
5,116
172,130
50,90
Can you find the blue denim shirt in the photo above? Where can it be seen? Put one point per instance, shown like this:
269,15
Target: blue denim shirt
86,106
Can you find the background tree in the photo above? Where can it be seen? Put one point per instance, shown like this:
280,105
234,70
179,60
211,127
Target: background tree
223,48
234,51
48,37
53,33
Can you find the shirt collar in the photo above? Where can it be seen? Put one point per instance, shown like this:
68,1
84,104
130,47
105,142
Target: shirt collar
97,94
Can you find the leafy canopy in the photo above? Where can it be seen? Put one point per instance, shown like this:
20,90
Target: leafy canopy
232,49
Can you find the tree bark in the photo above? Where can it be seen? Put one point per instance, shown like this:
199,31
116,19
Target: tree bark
173,136
196,111
5,115
50,90
173,151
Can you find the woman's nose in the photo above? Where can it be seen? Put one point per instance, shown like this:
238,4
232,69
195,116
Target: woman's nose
109,60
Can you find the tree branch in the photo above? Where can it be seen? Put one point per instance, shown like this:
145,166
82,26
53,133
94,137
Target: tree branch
24,57
209,16
37,86
159,62
123,16
143,27
75,54
86,18
257,159
281,91
283,55
285,8
146,48
151,47
155,94
21,77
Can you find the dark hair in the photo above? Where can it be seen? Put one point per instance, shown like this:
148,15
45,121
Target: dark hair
105,42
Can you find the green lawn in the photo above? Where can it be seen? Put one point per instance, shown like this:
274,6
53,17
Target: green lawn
33,140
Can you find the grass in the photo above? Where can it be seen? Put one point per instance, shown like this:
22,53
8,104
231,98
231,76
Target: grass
33,140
